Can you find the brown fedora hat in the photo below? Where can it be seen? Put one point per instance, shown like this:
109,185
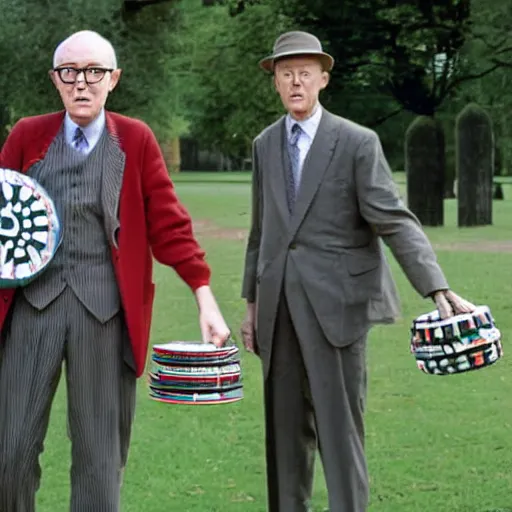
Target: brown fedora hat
297,43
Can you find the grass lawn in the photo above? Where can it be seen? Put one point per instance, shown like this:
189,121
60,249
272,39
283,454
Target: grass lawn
434,444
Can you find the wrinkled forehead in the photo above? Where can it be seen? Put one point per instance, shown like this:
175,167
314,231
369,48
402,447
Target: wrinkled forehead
85,51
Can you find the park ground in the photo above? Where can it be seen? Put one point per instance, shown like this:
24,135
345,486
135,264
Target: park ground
436,444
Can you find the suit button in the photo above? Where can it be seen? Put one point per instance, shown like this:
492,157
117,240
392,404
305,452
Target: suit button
292,246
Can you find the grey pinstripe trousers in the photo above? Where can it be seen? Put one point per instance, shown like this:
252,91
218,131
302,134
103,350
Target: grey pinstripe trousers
101,402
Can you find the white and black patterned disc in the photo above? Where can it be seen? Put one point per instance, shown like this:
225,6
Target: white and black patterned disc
30,230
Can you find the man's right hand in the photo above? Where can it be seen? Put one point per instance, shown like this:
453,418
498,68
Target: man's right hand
248,328
449,304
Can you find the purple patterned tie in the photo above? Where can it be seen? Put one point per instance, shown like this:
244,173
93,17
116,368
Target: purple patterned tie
79,141
294,171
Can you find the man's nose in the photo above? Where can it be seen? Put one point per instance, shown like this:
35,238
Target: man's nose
80,80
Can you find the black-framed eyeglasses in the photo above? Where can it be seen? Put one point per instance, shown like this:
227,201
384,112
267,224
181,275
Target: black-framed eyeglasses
92,75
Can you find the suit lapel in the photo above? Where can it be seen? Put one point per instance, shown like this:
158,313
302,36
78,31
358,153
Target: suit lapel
279,163
112,178
316,163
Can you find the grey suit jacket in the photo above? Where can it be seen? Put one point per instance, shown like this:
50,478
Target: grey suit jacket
329,251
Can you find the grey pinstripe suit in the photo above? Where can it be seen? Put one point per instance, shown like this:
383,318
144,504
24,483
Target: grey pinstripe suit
72,313
319,279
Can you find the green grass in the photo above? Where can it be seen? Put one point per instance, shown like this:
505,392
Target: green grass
434,444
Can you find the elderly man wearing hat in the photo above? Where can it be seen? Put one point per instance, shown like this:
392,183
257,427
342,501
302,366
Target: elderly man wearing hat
316,279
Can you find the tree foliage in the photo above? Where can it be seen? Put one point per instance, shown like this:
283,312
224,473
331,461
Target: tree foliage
491,47
143,39
228,98
192,65
413,49
407,49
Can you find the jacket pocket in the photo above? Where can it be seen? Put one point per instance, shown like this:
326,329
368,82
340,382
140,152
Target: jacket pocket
362,280
361,263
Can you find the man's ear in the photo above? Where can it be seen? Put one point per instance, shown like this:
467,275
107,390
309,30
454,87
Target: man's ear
114,79
325,79
51,74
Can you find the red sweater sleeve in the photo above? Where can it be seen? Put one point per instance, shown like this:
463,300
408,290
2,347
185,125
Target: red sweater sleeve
169,225
11,156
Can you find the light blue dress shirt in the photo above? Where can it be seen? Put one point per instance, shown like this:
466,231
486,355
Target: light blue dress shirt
92,131
309,128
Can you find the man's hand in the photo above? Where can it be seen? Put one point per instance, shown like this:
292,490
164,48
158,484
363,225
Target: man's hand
248,326
213,327
448,304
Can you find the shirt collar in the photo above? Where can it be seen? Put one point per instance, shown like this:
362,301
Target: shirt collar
92,131
309,125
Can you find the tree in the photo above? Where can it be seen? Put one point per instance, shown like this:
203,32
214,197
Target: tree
227,98
407,49
411,48
143,39
492,20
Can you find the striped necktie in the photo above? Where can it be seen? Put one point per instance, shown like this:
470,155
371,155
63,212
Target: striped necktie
294,174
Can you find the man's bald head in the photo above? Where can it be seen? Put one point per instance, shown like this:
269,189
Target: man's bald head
84,72
86,43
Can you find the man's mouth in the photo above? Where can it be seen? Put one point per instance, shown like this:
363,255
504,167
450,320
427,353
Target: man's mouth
81,100
296,97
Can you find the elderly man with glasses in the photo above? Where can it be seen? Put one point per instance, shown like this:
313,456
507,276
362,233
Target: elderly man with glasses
92,306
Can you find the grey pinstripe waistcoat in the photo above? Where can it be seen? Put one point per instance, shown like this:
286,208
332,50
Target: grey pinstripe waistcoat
83,260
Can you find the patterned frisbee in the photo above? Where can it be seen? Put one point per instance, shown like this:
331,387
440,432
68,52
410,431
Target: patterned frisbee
30,230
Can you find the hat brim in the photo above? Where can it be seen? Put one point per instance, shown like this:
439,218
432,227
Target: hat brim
267,64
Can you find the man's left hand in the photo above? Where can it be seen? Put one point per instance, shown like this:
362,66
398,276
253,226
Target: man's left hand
448,304
213,326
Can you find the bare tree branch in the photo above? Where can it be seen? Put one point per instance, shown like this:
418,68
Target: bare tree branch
502,64
383,119
504,50
474,76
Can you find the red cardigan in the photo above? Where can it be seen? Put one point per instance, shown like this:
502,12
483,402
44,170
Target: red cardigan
155,222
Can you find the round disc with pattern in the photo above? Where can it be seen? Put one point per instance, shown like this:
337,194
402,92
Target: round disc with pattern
29,229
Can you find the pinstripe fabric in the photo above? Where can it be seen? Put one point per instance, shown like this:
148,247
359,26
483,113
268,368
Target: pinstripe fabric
80,141
72,313
83,260
100,390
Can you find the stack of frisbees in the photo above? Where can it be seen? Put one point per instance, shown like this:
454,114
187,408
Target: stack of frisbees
195,374
461,343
